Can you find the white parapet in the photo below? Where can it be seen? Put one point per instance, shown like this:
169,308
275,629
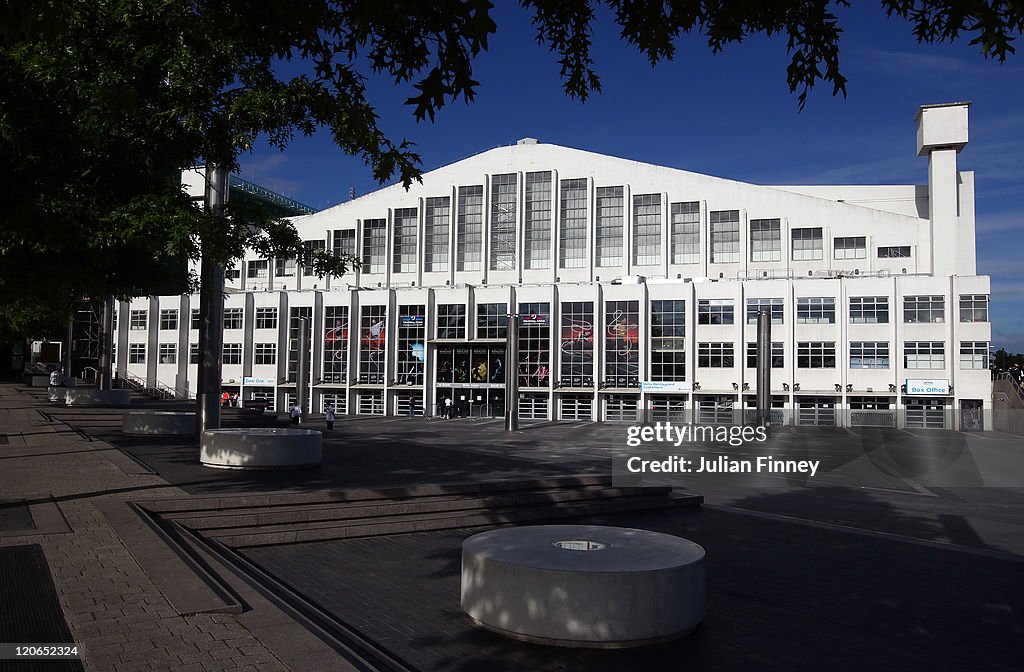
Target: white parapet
260,448
89,396
158,422
583,585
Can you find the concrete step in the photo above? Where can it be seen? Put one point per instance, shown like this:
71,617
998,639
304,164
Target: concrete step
403,524
362,495
302,513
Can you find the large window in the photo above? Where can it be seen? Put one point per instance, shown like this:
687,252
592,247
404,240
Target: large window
404,236
894,252
137,320
438,215
537,247
169,319
577,344
193,354
869,310
609,226
295,317
343,244
816,310
375,232
685,232
196,322
869,354
725,236
335,344
850,248
264,353
668,342
572,224
469,244
715,355
974,307
232,353
924,355
503,222
491,320
808,244
715,311
412,345
646,229
372,344
451,320
774,307
973,354
816,355
266,318
621,343
778,355
309,247
233,318
534,340
765,240
924,309
460,364
136,353
258,269
284,268
168,353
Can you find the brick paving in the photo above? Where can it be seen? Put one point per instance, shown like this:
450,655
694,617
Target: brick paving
115,611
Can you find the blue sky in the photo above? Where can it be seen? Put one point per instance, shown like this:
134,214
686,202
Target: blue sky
730,115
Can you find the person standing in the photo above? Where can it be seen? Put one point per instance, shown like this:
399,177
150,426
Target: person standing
329,416
57,378
449,406
295,412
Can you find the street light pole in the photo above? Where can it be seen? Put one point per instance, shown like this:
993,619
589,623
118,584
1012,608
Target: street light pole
302,373
512,373
764,368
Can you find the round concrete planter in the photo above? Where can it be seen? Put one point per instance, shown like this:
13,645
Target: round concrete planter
88,396
158,422
260,448
583,585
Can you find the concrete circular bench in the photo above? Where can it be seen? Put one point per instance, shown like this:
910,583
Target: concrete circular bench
583,585
158,422
260,448
87,396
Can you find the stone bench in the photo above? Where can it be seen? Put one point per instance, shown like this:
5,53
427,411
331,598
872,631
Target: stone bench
260,448
583,585
89,396
158,422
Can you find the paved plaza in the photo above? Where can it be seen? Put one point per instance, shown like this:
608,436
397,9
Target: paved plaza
864,566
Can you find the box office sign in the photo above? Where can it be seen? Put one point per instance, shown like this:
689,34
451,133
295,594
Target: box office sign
665,386
935,386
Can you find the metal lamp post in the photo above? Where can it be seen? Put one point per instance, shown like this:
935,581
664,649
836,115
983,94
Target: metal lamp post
211,314
764,368
512,373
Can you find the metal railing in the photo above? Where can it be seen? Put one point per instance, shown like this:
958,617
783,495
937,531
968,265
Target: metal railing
155,390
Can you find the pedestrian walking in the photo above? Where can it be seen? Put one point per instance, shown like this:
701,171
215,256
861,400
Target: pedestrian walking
295,412
224,399
234,399
329,416
449,406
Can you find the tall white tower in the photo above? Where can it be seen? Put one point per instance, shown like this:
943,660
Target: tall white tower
941,134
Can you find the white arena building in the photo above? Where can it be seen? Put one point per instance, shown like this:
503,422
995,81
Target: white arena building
637,288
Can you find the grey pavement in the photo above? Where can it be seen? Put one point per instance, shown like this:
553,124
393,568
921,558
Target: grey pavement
857,569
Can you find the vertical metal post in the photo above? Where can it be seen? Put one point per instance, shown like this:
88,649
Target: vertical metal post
302,373
512,374
764,368
106,339
211,314
71,339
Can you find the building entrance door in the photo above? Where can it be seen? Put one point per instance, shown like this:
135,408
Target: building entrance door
926,413
471,402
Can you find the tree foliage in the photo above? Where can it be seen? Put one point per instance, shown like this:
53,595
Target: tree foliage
104,101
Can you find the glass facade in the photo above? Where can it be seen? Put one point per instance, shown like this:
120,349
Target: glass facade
621,343
375,242
537,244
725,236
572,224
404,236
436,246
534,364
372,344
609,226
646,229
335,344
668,340
685,232
503,222
470,234
576,344
412,345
